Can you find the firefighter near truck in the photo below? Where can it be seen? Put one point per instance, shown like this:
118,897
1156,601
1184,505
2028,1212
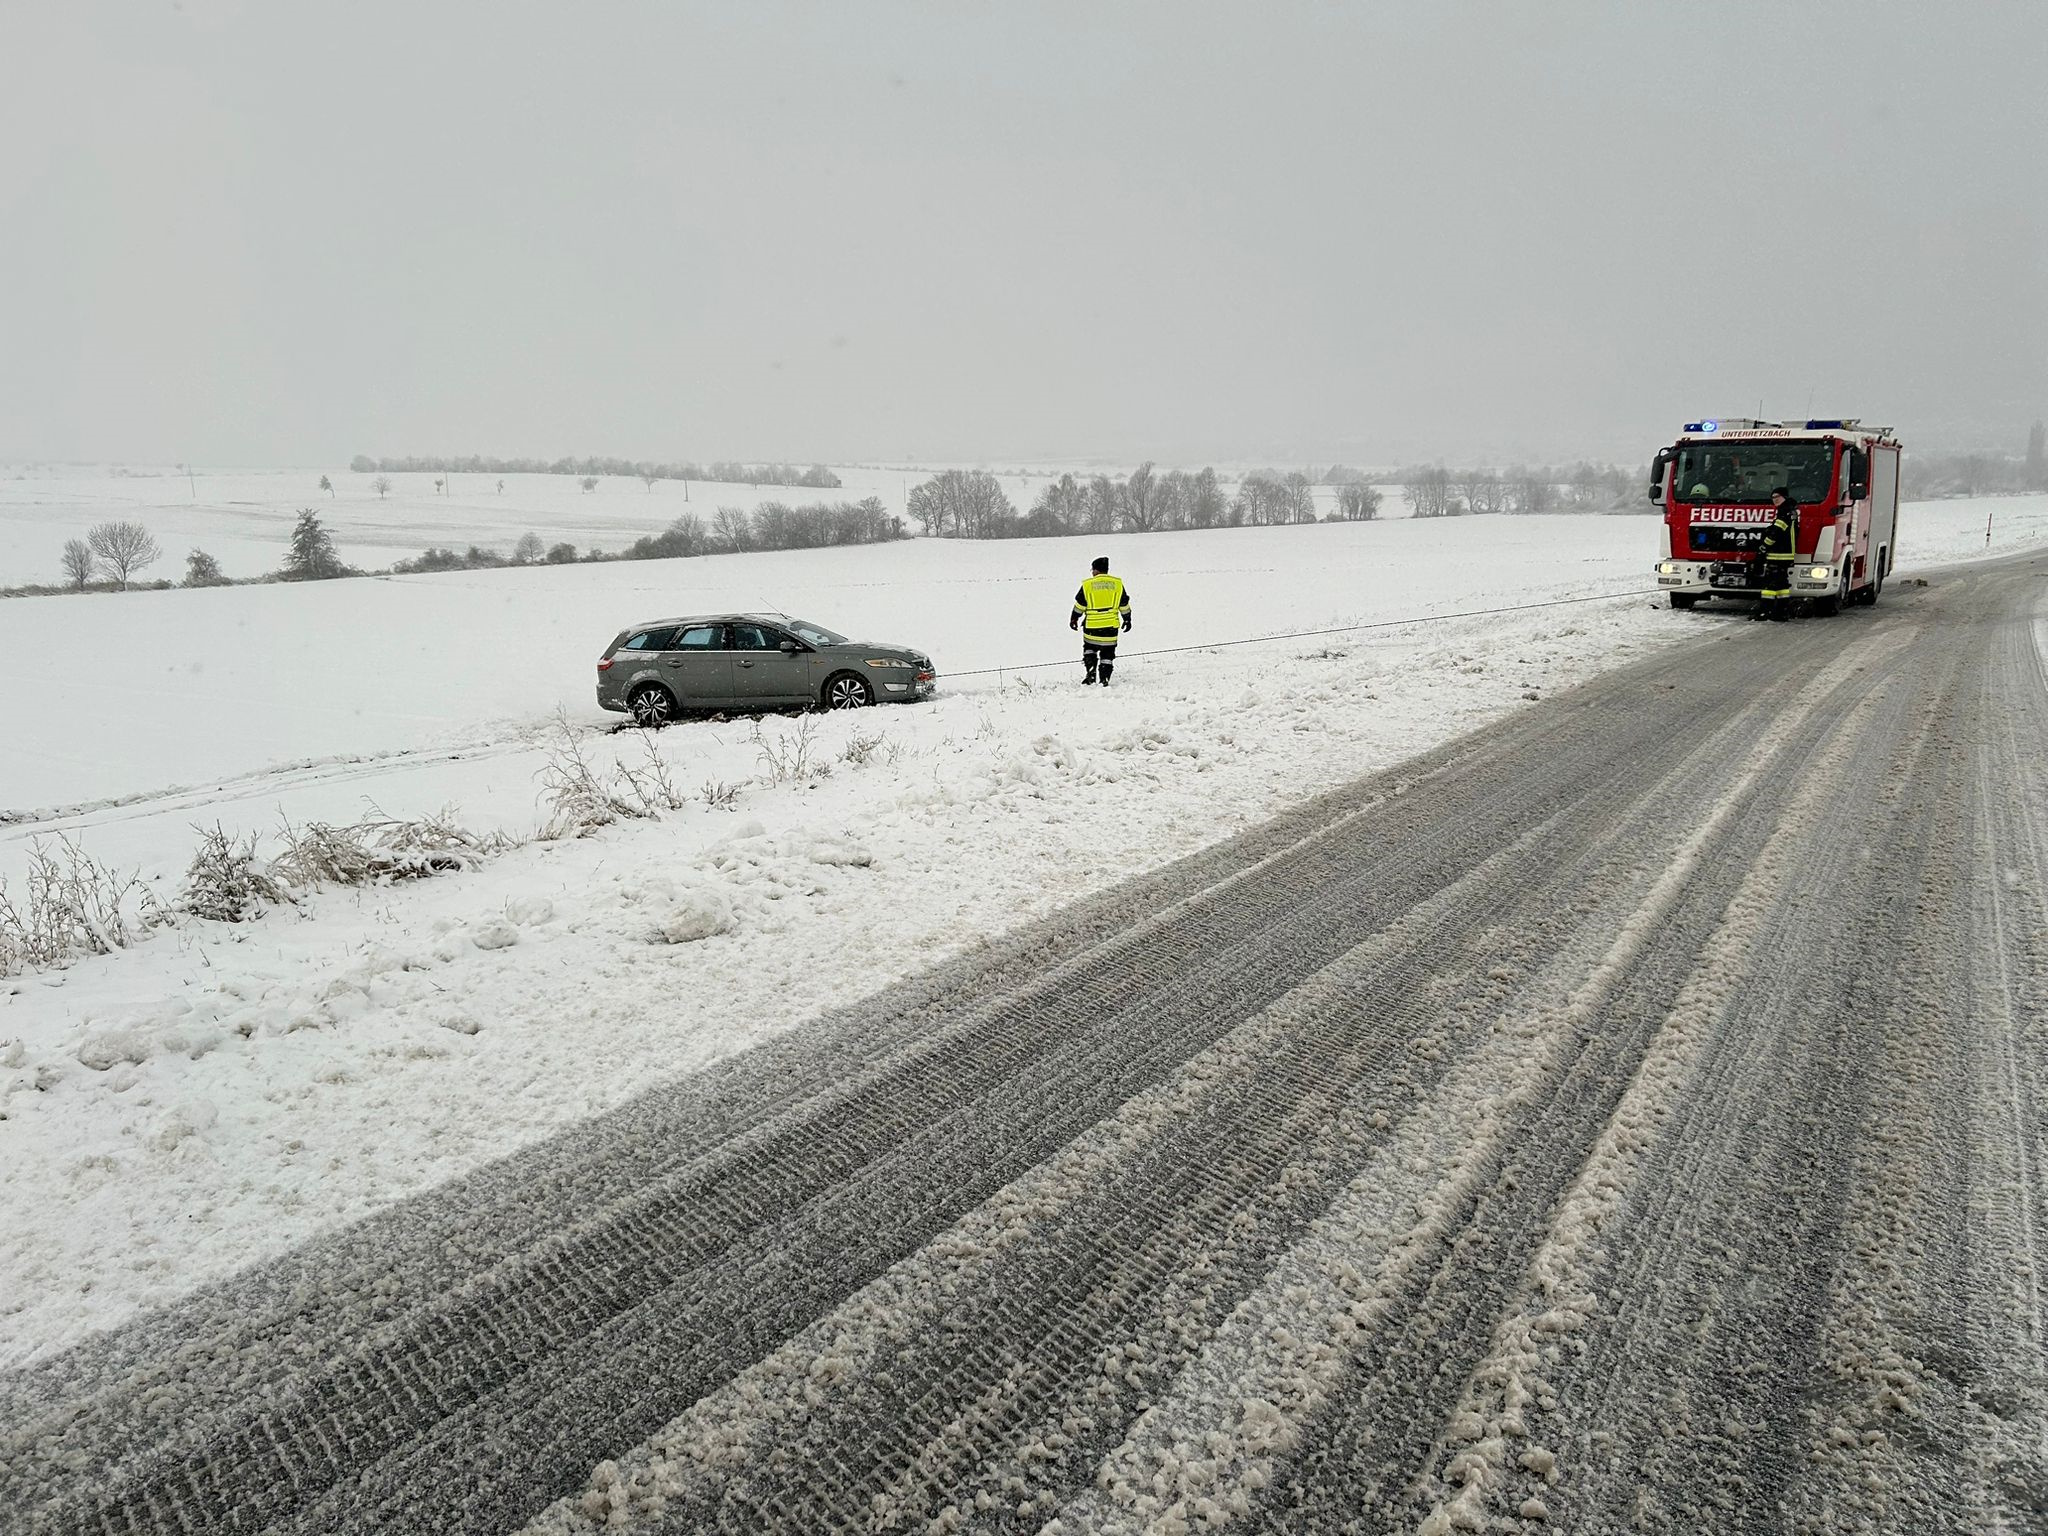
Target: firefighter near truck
1715,486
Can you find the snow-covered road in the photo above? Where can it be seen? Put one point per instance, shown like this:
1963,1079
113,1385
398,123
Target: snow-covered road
1629,1116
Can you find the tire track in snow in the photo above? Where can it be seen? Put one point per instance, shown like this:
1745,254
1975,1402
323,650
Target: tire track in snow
1662,1401
1192,1228
1210,1447
1492,1461
1369,1457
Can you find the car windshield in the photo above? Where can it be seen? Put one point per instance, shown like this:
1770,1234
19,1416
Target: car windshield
1749,472
814,634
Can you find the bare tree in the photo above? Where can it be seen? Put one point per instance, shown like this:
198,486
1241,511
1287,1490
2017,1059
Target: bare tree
685,534
1060,508
1357,502
731,530
874,523
202,570
1428,490
1265,498
327,485
1531,490
528,550
123,548
648,481
382,486
1173,500
79,564
966,504
1104,506
1300,497
1483,490
561,554
1141,500
1210,506
589,483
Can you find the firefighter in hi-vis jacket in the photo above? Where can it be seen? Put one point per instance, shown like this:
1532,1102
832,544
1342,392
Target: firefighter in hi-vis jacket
1781,543
1102,611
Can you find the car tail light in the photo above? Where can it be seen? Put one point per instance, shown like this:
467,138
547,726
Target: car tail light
927,675
604,664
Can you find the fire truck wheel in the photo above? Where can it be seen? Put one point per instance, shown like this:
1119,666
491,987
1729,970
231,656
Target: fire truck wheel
1868,596
1684,599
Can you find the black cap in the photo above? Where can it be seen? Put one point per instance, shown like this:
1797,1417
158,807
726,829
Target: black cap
1099,563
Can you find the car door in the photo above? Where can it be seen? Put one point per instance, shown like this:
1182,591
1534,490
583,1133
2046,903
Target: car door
763,673
698,667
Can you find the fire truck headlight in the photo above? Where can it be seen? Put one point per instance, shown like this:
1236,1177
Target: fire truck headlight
1819,572
1667,568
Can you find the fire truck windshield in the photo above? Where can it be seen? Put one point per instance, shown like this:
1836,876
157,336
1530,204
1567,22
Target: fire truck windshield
1750,471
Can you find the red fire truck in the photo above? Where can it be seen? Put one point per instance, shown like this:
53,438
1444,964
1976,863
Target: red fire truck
1715,486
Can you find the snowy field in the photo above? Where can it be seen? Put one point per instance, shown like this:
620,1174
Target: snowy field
244,520
218,1092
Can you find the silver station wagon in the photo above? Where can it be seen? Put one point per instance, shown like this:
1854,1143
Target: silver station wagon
655,672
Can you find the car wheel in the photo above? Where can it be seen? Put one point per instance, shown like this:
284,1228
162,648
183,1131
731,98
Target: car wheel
846,691
652,705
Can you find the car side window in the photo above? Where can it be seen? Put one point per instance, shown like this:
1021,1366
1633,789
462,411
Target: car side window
648,640
755,637
696,637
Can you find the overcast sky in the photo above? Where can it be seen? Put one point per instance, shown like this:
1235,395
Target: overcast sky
281,233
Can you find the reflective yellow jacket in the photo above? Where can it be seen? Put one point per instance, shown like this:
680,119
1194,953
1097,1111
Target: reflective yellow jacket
1103,605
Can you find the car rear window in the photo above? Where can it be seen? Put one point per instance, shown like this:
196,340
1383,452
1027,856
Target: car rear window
696,637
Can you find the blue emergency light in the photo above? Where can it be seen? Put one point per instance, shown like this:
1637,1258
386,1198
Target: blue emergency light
1816,426
1703,426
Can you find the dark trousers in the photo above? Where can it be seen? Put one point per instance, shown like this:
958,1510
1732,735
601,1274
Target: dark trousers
1774,601
1098,658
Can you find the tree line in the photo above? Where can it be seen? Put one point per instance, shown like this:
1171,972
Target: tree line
971,504
112,555
1431,490
723,471
730,530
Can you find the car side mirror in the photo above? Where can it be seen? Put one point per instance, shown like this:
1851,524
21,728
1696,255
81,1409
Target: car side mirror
1657,467
788,647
